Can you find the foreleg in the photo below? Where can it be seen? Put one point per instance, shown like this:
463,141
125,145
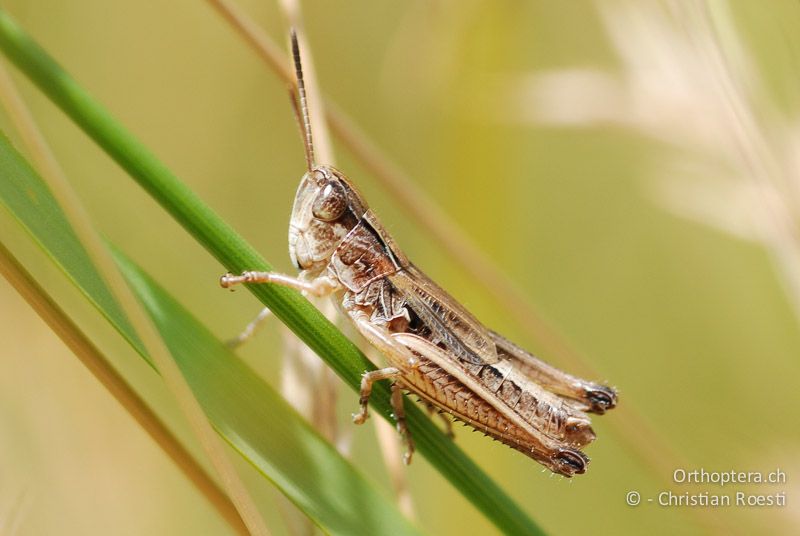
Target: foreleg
321,286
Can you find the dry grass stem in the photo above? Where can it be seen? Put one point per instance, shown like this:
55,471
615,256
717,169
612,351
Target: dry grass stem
304,372
80,222
12,516
94,360
392,452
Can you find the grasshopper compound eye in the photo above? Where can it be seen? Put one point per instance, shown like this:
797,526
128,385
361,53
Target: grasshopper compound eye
331,202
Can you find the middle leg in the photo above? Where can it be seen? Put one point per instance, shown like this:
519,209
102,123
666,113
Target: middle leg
366,390
250,329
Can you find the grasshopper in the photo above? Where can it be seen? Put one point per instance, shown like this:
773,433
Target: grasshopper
434,347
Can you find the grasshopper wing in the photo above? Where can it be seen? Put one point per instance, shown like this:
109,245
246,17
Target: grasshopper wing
590,396
448,322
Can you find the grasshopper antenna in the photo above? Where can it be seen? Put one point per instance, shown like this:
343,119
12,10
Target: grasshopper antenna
301,112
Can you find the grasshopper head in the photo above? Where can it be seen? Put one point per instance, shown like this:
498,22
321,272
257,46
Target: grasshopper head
326,207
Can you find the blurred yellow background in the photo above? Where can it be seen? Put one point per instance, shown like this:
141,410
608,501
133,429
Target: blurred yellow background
592,150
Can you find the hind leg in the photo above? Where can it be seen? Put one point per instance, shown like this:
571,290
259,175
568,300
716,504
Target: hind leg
400,417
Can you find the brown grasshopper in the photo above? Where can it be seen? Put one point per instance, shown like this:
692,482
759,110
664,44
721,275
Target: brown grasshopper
435,348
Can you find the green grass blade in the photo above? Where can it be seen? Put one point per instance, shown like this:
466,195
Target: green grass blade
236,255
251,416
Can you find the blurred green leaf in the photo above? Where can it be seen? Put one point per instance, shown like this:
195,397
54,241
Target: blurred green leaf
237,255
263,427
